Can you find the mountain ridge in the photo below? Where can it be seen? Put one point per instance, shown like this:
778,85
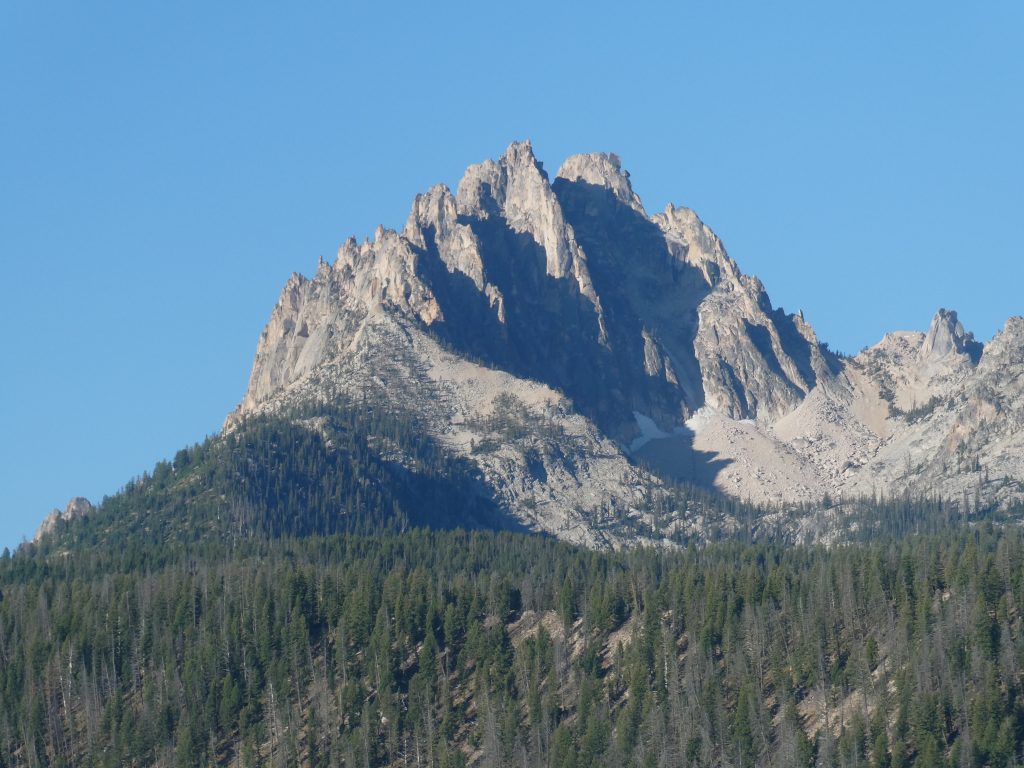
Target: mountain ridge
584,358
647,329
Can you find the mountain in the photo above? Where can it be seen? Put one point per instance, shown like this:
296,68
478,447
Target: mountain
347,574
587,357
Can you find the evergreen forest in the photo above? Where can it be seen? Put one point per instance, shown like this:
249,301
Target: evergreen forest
329,589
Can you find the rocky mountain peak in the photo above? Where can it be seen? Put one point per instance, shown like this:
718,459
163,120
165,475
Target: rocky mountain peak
434,226
546,263
520,154
515,192
1006,349
493,187
655,339
433,208
946,336
697,244
604,170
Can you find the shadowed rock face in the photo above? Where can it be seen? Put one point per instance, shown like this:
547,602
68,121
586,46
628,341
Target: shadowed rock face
571,284
641,325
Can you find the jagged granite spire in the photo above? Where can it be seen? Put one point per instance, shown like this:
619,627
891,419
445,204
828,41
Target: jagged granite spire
946,336
602,169
642,327
523,273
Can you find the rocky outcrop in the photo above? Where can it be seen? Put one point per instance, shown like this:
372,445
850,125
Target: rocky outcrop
946,337
603,171
76,508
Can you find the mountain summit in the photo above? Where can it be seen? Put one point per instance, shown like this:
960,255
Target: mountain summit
581,352
570,284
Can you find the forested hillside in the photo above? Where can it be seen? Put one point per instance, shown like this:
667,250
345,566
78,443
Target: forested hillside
314,470
359,469
453,648
356,468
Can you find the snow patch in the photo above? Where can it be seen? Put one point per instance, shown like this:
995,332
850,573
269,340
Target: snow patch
650,431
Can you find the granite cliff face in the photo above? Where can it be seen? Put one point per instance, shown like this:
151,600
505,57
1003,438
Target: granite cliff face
569,283
632,351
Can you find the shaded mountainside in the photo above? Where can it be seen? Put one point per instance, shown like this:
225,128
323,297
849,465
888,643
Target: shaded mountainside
342,468
311,471
354,469
639,339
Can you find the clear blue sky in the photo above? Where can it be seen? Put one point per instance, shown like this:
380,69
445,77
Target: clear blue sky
165,166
